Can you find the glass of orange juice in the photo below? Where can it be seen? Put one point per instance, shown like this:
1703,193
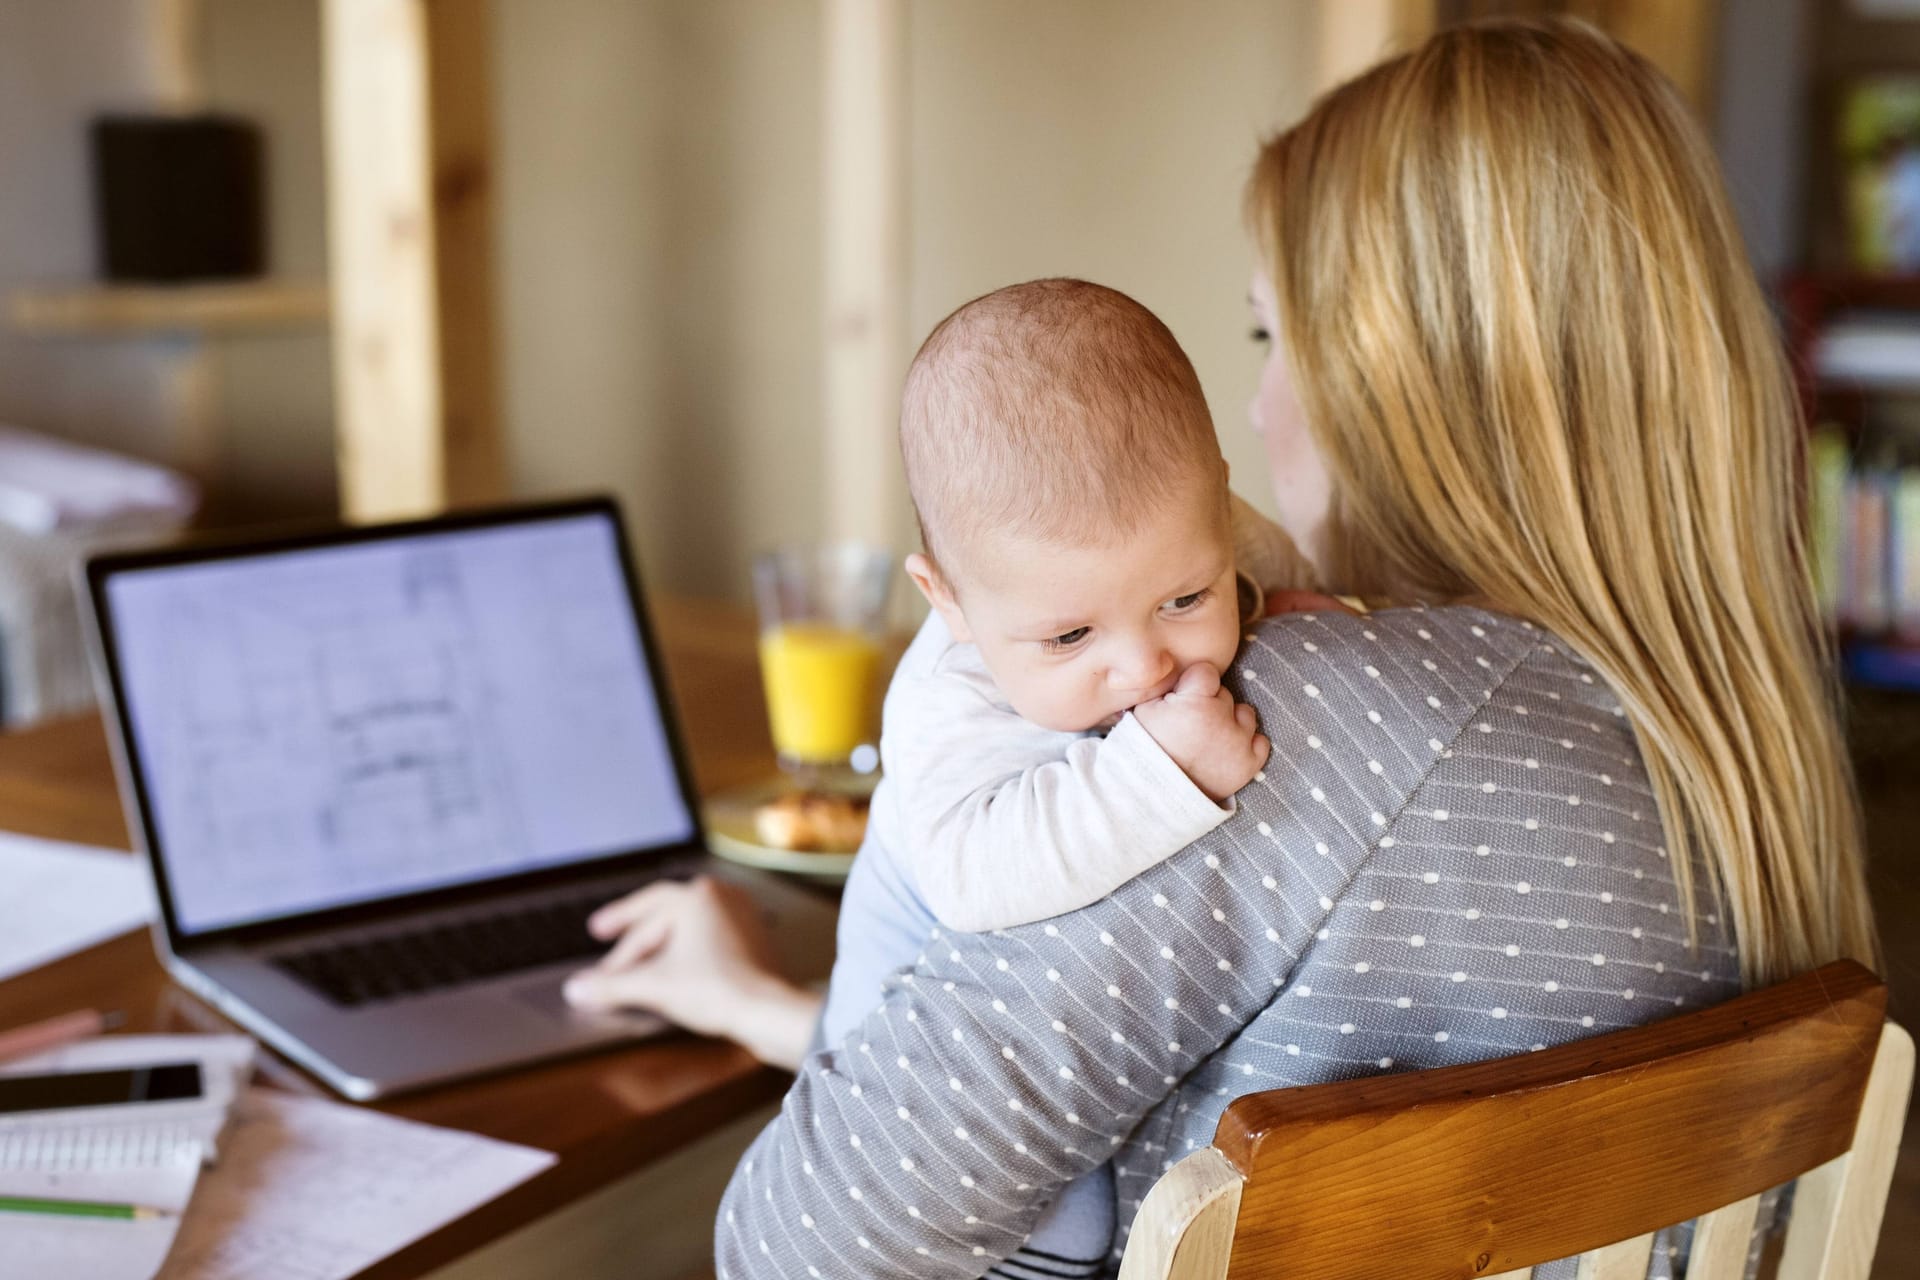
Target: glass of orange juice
822,613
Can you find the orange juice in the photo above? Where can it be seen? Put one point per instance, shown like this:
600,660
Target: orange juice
822,683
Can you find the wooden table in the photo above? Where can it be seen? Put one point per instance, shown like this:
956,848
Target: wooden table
605,1114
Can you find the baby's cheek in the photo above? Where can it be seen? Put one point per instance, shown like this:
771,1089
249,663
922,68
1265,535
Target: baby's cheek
1226,643
1058,700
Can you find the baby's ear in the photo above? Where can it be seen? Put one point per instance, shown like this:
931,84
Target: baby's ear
933,585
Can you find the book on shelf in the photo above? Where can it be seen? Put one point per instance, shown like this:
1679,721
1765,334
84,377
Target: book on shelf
1864,533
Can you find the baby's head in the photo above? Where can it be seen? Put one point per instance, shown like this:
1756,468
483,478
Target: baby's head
1072,500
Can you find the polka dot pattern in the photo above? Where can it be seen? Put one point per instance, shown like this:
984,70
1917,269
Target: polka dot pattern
1372,906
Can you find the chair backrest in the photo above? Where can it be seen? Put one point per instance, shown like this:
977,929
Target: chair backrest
1483,1171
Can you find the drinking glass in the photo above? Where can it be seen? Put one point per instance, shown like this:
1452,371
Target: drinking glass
822,615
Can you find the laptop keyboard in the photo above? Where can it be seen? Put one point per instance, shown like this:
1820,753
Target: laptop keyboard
363,970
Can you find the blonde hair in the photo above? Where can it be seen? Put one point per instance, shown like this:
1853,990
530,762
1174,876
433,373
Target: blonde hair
1056,408
1535,358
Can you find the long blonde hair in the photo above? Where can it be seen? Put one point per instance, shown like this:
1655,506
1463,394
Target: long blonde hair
1541,372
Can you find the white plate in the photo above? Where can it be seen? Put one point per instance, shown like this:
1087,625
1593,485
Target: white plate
731,833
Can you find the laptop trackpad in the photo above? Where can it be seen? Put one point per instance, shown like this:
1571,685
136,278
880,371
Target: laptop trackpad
544,994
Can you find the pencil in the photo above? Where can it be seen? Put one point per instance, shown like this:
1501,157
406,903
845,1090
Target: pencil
80,1208
36,1037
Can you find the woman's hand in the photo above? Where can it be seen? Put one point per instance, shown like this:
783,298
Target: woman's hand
1288,601
696,953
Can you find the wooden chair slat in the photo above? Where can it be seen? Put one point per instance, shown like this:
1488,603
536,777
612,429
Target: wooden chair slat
1622,1260
1442,1172
1722,1240
1184,1230
1814,1226
1837,1208
1524,1273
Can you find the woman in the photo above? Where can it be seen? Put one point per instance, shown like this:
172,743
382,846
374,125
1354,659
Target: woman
1522,372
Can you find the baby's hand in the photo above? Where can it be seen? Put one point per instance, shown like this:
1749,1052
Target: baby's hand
1215,740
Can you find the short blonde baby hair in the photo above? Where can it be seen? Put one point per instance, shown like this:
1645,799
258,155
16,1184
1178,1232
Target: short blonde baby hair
1058,409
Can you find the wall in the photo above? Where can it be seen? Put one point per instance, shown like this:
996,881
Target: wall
659,224
1760,126
659,238
1110,141
59,64
660,229
273,392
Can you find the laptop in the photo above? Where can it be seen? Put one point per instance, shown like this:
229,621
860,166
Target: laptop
384,774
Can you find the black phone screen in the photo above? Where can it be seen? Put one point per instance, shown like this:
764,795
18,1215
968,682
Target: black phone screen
168,1082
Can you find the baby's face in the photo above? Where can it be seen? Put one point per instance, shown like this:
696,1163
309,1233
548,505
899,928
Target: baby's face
1076,636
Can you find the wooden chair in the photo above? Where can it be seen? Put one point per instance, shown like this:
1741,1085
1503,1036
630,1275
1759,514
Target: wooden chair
1588,1148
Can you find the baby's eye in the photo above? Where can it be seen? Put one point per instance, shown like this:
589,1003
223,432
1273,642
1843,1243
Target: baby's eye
1066,639
1180,604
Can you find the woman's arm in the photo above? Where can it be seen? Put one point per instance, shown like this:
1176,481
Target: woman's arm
1003,1065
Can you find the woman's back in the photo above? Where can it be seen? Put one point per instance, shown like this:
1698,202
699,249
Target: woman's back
1519,898
1452,855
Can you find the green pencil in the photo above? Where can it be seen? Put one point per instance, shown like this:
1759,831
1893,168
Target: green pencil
79,1208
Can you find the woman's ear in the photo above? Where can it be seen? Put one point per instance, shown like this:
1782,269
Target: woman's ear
933,585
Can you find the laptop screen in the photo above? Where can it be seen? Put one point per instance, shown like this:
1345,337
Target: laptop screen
340,724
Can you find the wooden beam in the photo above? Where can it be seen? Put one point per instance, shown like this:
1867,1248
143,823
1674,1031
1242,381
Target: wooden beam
179,76
408,194
460,107
865,215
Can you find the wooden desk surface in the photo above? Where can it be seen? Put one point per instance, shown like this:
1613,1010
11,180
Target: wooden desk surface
605,1114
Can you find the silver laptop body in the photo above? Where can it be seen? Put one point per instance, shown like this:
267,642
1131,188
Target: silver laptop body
340,751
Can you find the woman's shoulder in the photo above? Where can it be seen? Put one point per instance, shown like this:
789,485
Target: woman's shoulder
1450,629
1417,674
1415,645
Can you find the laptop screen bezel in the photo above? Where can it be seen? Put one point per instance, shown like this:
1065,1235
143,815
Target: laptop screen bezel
137,802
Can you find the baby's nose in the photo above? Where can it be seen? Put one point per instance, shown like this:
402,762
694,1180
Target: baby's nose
1143,671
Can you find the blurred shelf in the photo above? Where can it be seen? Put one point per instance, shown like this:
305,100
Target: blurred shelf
1833,290
247,306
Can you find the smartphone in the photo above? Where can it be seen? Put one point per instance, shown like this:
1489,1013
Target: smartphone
168,1082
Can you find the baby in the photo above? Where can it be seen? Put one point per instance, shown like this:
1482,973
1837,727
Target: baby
1058,724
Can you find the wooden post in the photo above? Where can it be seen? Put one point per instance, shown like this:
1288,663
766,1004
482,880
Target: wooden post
179,82
865,216
409,221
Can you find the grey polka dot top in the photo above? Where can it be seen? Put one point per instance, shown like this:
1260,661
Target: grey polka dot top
1453,855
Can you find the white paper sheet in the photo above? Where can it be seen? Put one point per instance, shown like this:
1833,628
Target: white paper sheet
313,1190
100,1248
56,899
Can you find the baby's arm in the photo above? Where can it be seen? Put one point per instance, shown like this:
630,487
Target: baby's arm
1006,825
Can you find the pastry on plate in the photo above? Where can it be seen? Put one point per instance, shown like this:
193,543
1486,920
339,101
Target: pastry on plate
813,821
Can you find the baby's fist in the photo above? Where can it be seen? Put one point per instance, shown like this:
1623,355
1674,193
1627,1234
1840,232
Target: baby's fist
1215,741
